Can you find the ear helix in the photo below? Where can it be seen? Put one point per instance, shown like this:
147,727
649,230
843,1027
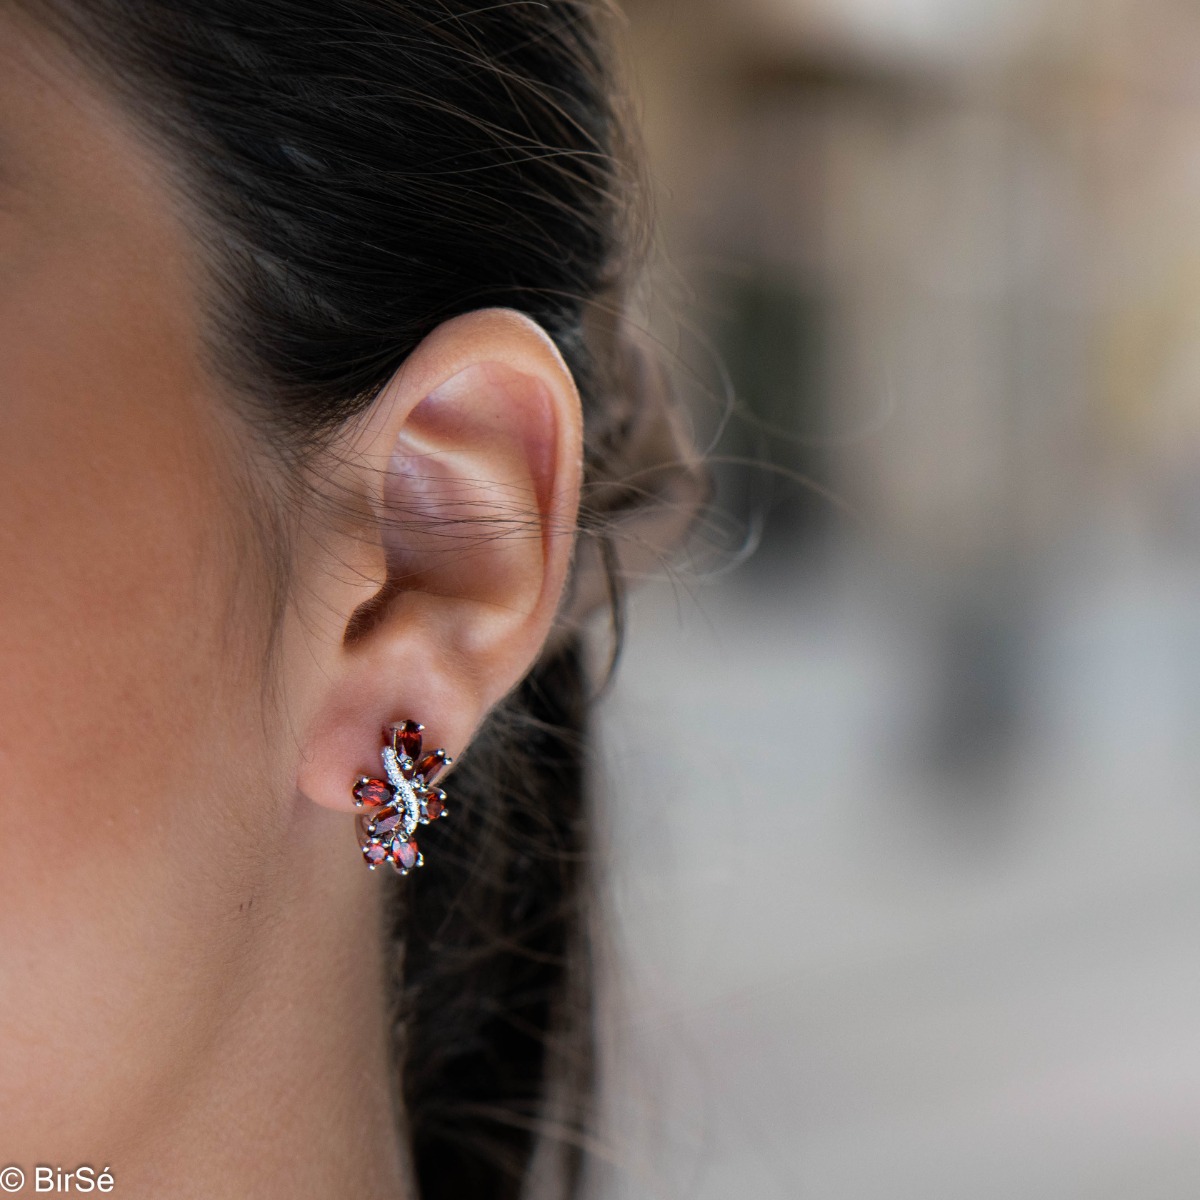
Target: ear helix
401,801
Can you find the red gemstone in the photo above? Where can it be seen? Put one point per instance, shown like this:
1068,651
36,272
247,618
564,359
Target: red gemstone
404,738
431,764
372,793
405,855
375,853
435,804
408,737
384,821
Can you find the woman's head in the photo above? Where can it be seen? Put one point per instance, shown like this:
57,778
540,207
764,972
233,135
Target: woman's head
305,358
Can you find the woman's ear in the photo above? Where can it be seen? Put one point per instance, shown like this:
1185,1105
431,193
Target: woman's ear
436,598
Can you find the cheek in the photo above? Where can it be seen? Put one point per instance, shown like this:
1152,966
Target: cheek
118,530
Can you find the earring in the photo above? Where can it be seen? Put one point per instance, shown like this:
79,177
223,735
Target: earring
403,801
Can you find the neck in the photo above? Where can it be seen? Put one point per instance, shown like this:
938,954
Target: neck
218,1028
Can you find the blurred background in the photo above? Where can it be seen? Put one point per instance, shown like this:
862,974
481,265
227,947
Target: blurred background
904,810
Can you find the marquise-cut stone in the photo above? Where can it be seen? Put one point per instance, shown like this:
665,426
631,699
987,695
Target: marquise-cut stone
430,765
408,738
384,821
435,804
405,854
375,853
372,792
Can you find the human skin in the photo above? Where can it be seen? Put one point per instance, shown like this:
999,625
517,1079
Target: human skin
191,949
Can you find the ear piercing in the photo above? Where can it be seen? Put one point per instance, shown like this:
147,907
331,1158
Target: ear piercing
402,801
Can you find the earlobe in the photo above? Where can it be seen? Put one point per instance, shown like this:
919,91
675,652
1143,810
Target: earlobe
472,529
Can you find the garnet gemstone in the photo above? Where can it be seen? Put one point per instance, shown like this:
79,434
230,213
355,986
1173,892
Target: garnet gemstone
405,855
404,738
435,804
374,853
408,738
384,821
431,764
372,793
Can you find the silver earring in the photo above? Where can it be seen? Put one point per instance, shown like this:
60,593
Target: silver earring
403,800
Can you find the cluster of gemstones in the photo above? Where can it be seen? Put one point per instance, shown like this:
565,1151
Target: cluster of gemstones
402,801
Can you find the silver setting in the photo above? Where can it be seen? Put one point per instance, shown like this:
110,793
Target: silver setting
410,797
405,792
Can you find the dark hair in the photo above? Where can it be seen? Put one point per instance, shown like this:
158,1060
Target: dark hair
358,172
